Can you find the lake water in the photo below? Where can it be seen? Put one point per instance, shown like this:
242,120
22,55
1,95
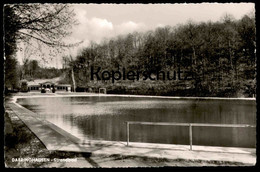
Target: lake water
102,118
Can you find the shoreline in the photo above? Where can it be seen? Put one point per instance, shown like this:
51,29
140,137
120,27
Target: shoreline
79,94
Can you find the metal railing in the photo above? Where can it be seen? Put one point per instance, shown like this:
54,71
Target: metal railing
190,125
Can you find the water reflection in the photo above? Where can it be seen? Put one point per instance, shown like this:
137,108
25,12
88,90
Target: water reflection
104,117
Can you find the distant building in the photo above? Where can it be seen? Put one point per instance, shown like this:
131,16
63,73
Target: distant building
63,87
48,86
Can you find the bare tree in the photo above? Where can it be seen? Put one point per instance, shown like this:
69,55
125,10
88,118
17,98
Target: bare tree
42,26
47,23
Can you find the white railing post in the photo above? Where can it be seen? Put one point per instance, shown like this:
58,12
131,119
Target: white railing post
127,132
190,134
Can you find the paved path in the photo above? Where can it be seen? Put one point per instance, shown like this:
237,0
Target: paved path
55,138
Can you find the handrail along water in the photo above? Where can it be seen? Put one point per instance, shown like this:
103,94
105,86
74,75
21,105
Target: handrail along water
190,125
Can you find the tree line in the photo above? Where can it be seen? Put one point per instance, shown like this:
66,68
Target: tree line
221,56
31,70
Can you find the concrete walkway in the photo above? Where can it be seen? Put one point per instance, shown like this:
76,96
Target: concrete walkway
55,138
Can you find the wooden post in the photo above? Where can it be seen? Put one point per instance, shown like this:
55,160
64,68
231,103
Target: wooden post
190,127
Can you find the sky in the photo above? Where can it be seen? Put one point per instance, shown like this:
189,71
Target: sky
99,21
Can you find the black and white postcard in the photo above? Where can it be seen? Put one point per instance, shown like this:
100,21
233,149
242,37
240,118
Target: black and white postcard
129,85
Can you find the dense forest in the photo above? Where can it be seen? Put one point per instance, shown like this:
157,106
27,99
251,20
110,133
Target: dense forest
220,55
